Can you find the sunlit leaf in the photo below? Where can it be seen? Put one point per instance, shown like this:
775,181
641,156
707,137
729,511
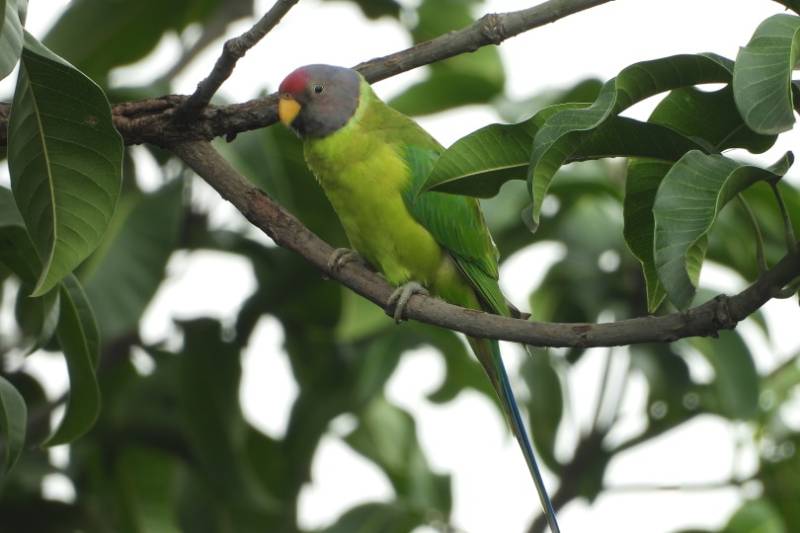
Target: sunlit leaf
763,74
688,200
65,161
13,423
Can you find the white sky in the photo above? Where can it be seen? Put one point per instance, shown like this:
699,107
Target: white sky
467,438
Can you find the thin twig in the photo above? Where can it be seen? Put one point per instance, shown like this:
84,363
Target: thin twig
233,50
722,312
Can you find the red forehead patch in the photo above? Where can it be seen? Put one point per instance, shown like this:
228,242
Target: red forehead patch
295,82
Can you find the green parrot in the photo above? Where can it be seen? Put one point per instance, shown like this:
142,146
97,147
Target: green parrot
372,161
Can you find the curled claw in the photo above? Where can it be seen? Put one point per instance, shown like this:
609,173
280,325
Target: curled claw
400,297
342,256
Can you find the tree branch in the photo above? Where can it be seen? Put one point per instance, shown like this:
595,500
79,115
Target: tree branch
154,121
233,50
722,312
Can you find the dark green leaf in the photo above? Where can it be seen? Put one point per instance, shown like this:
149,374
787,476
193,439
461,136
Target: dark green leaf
16,250
13,421
710,116
129,266
37,317
10,34
564,132
687,202
147,482
65,161
80,342
736,382
791,4
641,183
762,76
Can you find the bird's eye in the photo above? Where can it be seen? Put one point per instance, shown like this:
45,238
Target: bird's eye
318,88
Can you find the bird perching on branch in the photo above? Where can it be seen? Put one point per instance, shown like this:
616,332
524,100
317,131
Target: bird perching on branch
372,161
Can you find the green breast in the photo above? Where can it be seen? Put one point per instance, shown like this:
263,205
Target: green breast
364,176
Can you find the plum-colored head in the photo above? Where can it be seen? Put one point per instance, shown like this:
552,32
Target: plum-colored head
317,100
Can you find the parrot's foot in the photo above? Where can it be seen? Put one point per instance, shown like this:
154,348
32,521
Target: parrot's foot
341,256
396,306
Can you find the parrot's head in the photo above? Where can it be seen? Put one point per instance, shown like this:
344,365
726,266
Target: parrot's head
317,100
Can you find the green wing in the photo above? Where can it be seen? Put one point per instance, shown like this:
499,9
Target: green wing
456,222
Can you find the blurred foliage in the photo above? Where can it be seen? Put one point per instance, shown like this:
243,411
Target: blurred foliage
171,449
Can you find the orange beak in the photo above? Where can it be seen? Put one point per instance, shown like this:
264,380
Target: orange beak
288,108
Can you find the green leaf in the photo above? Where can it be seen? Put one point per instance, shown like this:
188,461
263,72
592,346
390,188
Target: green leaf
378,518
564,132
119,32
10,34
757,516
710,116
80,342
545,405
13,423
210,370
464,79
387,435
147,479
37,317
762,76
16,249
130,263
688,200
641,183
479,164
791,4
65,160
736,381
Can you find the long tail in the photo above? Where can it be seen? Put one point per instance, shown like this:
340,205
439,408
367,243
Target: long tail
488,353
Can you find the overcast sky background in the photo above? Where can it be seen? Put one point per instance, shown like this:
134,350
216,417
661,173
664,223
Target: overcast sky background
467,437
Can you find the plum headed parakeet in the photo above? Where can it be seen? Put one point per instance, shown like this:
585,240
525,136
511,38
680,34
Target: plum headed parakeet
372,161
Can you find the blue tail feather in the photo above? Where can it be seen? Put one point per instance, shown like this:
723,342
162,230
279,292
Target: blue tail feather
518,427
